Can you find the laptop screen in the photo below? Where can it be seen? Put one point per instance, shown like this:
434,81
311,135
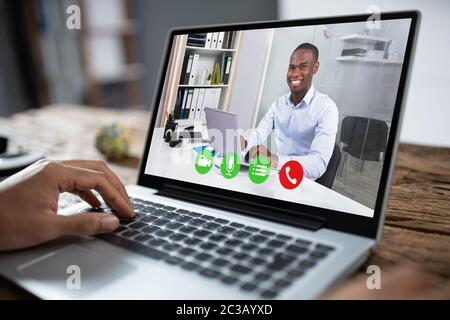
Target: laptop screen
300,114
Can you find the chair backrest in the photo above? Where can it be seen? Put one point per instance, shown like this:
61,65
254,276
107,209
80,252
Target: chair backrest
327,178
365,138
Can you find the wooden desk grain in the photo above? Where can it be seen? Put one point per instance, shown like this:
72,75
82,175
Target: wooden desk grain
417,226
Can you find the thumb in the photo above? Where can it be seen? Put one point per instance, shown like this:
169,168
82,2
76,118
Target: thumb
88,223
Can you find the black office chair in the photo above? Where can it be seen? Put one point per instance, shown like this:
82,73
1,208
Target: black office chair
364,139
328,176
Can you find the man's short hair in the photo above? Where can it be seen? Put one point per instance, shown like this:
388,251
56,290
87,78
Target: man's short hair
309,46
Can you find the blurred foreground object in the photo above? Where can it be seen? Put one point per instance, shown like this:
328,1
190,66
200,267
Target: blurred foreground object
113,141
401,282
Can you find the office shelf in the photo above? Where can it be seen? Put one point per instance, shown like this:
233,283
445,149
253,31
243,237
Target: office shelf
366,60
362,38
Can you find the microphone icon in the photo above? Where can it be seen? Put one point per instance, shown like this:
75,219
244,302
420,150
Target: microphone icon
230,165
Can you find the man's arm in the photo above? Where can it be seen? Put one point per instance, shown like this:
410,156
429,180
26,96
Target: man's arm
315,163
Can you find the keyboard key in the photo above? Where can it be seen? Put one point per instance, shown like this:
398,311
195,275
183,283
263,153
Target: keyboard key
224,251
275,243
248,287
196,222
251,229
137,225
295,273
142,238
220,262
182,211
177,237
236,225
169,208
233,242
296,249
161,222
209,273
174,225
229,280
157,205
174,260
130,233
203,257
248,247
267,233
323,248
318,254
240,269
221,221
281,284
194,214
187,251
183,219
217,237
265,251
262,277
150,229
257,239
225,230
307,264
302,242
207,217
211,226
133,246
190,266
171,216
156,242
241,234
124,221
280,262
284,237
241,256
187,229
202,233
192,241
164,233
149,218
171,247
120,229
257,261
159,213
269,294
208,246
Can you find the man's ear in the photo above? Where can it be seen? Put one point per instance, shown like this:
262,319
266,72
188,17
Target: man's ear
316,67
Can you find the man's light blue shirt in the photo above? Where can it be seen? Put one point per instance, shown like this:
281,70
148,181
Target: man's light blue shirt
305,132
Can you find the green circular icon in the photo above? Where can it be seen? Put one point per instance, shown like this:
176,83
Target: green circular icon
204,162
259,170
230,165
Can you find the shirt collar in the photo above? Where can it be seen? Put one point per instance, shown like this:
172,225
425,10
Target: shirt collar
306,99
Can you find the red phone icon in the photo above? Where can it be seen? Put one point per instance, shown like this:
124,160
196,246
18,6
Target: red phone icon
291,174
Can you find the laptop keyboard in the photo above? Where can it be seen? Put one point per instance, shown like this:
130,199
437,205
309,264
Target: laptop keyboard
255,260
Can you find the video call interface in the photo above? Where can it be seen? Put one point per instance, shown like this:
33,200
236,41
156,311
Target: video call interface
298,114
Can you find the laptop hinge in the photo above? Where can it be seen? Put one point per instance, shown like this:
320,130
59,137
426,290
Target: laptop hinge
285,216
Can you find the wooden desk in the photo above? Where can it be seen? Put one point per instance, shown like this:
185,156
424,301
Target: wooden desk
417,226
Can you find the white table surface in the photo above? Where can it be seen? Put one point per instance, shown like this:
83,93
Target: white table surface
178,163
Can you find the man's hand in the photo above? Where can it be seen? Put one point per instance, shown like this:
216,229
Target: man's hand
243,143
262,151
29,202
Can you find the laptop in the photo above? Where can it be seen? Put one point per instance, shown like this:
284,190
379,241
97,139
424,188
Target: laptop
224,135
201,236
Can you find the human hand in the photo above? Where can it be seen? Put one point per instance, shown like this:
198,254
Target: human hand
29,202
243,143
262,151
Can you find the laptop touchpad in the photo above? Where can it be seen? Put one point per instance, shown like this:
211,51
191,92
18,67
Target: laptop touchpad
76,270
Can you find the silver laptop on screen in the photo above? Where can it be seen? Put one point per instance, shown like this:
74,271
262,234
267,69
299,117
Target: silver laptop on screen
200,234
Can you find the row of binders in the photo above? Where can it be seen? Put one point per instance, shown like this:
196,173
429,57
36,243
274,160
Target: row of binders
211,40
220,75
191,103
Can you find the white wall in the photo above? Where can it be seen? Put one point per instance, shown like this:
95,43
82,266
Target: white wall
255,47
428,101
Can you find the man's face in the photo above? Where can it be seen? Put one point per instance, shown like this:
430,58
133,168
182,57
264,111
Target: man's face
302,67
